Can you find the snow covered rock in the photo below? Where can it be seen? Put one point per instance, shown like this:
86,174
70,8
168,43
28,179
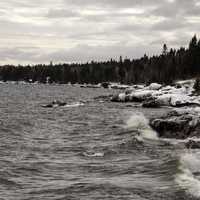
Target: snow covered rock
154,86
119,86
122,97
156,95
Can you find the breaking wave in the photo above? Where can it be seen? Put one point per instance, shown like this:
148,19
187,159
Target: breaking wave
140,123
77,104
187,176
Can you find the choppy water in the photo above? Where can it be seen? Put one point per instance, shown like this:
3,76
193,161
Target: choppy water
99,150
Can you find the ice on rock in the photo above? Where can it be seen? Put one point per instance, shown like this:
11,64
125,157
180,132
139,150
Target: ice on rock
142,94
157,95
122,97
155,86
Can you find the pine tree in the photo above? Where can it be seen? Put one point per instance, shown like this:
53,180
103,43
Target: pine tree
164,51
193,43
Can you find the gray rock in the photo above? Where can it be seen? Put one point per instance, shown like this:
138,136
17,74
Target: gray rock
55,103
151,103
177,125
191,144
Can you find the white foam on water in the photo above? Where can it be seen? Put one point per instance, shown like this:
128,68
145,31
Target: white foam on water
96,154
179,141
140,123
189,164
74,105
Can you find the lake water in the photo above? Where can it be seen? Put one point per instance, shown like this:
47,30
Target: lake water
88,150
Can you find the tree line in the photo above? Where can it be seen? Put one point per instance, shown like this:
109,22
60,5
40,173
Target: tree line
170,65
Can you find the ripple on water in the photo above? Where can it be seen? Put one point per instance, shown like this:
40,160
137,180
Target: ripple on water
80,152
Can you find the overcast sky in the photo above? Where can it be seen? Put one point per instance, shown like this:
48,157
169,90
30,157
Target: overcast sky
38,31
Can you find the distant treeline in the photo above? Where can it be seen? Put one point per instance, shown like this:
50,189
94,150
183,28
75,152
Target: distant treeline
170,65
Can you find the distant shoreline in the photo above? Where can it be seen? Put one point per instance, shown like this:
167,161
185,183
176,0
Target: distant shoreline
167,67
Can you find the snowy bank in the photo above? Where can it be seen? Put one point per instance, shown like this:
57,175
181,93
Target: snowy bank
156,95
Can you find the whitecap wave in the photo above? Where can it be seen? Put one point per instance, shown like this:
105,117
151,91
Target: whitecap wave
96,154
74,105
174,141
189,165
140,123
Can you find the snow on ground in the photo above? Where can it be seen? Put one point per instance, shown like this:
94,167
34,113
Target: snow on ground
178,95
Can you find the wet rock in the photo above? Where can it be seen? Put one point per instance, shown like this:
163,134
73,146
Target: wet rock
90,86
181,104
130,97
151,103
105,85
197,86
178,125
129,91
114,98
192,144
55,103
103,98
48,106
171,129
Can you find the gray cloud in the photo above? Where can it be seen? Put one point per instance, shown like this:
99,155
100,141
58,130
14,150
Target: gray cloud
170,25
62,13
114,4
82,30
79,53
180,8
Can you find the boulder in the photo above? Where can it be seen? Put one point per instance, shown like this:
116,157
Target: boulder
156,95
139,96
151,103
155,86
103,98
115,98
192,144
54,103
197,86
122,97
177,125
105,85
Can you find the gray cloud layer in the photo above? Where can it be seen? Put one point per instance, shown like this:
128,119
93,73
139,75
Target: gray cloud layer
81,30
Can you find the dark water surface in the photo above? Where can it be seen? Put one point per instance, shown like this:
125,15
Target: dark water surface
82,152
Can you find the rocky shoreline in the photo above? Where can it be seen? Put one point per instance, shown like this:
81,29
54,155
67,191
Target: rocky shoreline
182,122
181,94
178,124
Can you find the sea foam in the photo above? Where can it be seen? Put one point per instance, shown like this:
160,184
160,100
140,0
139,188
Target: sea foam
74,105
140,123
189,165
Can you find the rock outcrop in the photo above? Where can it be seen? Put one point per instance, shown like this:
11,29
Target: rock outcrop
192,144
54,103
178,124
156,95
